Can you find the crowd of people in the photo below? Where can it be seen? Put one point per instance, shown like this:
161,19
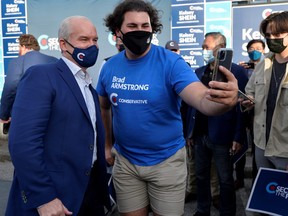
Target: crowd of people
169,133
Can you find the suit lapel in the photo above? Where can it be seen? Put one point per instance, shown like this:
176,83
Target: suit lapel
73,85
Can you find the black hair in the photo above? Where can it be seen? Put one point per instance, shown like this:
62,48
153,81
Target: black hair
114,21
278,23
255,41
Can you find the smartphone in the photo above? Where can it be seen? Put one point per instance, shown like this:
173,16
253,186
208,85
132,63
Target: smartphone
250,65
224,58
244,96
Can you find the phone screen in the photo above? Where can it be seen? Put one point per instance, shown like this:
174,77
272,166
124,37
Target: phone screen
223,58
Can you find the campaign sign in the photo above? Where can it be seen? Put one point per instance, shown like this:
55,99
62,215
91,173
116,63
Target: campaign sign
186,1
218,19
13,27
189,37
193,57
11,47
13,8
187,15
246,22
269,194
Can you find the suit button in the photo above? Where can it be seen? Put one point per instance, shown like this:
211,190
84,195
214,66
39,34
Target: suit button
24,198
91,147
87,173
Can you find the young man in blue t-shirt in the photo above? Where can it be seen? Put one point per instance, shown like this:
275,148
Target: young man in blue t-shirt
144,85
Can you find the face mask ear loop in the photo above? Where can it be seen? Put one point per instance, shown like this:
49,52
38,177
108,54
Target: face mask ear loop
70,45
122,36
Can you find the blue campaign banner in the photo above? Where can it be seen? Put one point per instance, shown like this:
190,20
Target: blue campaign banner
10,47
246,22
193,57
189,37
187,15
13,8
218,19
13,27
269,194
218,10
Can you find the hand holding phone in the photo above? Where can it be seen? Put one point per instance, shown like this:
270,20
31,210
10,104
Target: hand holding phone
245,101
250,65
244,97
223,58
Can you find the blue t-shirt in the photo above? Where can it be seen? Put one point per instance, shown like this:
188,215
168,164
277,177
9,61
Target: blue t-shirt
146,107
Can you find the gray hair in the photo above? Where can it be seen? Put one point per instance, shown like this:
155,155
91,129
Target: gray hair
65,26
220,38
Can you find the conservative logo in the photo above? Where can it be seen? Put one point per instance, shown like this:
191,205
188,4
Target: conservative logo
80,56
119,83
113,98
267,12
48,43
277,190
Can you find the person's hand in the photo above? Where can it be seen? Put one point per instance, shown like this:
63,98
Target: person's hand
5,121
55,208
236,147
248,104
244,64
189,142
224,92
108,155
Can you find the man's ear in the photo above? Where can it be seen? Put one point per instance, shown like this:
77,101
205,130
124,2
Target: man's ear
62,45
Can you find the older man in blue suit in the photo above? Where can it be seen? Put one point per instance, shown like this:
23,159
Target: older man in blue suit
56,137
29,55
216,136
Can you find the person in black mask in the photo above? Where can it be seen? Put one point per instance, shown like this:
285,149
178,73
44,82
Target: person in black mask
144,85
268,87
56,138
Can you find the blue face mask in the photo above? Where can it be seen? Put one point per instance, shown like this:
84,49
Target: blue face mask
84,57
208,56
254,55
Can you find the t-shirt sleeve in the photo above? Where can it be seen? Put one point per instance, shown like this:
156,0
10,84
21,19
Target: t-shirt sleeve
182,75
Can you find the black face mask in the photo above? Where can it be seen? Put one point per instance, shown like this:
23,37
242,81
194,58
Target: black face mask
137,41
276,45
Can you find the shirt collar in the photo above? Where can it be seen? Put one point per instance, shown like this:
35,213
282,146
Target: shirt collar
77,71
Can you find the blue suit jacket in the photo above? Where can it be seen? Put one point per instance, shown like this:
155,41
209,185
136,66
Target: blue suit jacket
51,142
16,69
228,127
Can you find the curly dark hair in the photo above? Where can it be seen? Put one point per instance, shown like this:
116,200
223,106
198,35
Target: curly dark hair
114,21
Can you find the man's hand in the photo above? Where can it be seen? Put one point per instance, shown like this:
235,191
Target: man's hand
224,92
108,154
55,208
5,121
236,147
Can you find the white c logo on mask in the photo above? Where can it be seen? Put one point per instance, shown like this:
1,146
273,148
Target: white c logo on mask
80,56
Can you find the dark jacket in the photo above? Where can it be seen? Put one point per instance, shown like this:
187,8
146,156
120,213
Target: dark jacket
228,127
51,142
16,70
